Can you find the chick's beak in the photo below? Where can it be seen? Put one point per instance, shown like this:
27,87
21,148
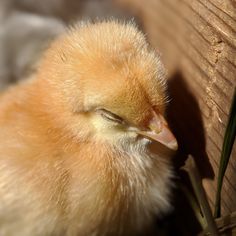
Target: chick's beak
160,132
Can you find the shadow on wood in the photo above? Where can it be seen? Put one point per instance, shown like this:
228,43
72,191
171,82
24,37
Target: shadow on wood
184,116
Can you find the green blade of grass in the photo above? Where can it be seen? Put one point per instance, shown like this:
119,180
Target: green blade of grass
225,154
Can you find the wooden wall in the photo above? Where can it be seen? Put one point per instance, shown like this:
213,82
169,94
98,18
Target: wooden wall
197,40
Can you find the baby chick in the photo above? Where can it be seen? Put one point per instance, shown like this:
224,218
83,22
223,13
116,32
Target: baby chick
74,141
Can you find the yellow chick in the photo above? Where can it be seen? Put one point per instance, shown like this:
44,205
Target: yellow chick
75,155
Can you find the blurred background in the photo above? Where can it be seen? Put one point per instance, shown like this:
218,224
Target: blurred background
197,41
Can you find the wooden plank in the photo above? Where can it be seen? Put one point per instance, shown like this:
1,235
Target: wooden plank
228,20
202,27
220,25
227,70
227,223
230,53
227,6
226,85
198,39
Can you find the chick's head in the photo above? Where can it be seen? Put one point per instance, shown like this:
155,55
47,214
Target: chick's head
109,84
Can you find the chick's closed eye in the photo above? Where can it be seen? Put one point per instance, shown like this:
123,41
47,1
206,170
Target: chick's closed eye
108,115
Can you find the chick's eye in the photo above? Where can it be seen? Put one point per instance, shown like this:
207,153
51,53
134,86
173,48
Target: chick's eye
110,116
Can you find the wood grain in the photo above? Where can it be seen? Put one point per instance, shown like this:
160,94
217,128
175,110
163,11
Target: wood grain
197,40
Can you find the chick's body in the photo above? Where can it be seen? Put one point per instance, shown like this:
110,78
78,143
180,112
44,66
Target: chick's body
71,161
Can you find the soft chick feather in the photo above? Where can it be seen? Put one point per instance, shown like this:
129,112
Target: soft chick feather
71,159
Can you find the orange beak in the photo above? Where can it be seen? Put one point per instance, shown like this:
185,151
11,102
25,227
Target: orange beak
160,132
